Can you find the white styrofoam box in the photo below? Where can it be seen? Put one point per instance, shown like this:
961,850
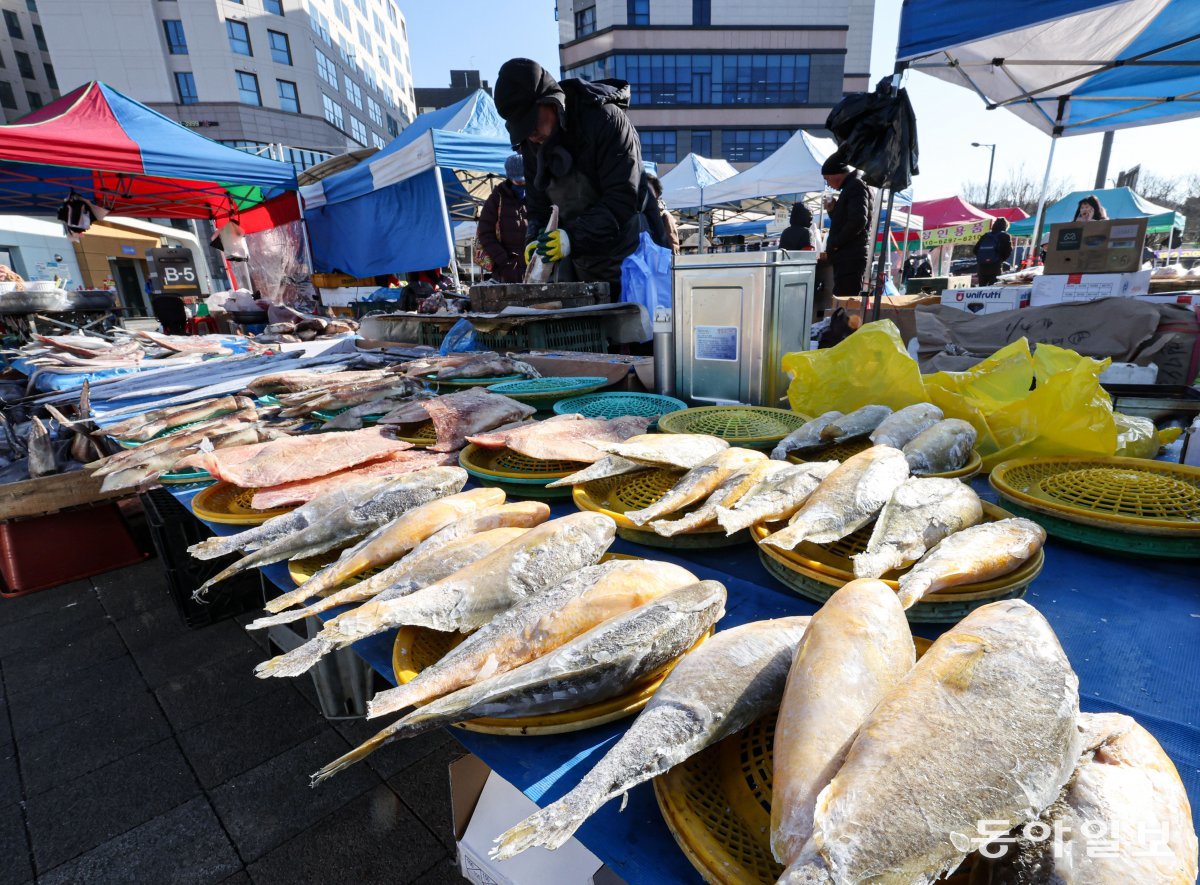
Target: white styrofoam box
1129,373
1060,287
1191,444
500,806
987,299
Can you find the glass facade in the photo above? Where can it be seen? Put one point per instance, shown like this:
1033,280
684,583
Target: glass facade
585,22
247,84
281,48
185,85
301,158
659,145
289,97
637,12
706,79
752,145
702,142
701,13
239,37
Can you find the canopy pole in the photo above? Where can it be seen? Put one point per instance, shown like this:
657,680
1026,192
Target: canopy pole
1037,222
884,255
700,226
876,209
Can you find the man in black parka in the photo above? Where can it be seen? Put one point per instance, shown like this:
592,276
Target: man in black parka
582,155
848,245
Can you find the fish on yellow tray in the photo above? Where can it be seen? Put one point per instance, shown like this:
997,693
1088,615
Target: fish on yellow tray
697,483
728,493
538,625
857,647
391,541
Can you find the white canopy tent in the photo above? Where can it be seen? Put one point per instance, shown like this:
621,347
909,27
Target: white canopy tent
684,186
793,169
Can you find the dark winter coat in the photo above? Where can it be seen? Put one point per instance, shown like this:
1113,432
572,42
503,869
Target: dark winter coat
848,243
596,159
501,233
798,234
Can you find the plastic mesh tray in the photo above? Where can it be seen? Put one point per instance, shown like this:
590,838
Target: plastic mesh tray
462,383
739,425
614,496
615,405
717,805
418,647
1118,494
513,466
545,390
1113,540
229,504
422,434
191,475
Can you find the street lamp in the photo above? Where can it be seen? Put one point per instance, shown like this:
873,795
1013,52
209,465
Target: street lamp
987,199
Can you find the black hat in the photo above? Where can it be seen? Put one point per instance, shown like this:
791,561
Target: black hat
835,165
521,86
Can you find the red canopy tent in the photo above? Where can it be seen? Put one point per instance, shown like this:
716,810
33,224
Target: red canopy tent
948,211
125,158
1012,213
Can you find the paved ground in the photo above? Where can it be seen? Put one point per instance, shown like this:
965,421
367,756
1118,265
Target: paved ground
135,750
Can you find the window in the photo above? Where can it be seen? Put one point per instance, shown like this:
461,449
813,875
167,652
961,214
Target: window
321,25
353,92
35,100
13,24
342,11
701,13
7,99
752,145
327,69
706,79
375,112
391,11
658,146
31,5
378,140
185,85
24,65
638,11
333,111
358,131
289,96
247,84
281,49
39,37
273,6
176,41
702,142
239,37
585,22
393,127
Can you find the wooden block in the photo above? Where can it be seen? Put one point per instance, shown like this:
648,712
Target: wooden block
50,494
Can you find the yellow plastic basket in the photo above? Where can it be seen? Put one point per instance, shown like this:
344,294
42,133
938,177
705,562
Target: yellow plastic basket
739,425
513,467
1123,494
230,504
717,805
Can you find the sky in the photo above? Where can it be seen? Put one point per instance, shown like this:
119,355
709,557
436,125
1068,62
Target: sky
949,117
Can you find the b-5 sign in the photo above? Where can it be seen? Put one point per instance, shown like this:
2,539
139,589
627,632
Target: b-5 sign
173,271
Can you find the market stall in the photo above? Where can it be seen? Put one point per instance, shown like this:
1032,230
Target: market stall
1118,202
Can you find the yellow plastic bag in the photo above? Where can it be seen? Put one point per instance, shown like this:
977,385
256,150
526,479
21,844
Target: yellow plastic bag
1137,438
871,366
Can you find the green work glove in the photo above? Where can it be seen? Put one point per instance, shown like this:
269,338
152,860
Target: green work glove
554,245
530,248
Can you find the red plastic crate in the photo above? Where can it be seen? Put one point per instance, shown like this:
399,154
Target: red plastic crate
45,551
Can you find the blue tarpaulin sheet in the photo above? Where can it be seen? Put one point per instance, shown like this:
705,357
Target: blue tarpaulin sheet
1130,626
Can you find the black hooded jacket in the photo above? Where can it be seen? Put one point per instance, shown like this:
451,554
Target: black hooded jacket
603,146
798,234
848,242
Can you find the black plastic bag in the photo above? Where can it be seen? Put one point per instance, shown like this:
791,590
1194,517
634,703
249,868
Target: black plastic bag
877,133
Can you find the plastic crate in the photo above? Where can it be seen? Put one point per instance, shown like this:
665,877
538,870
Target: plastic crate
45,551
173,529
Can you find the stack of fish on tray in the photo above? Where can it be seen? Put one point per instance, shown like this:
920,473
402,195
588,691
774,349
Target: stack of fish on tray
570,438
356,396
478,365
288,326
891,769
931,443
552,628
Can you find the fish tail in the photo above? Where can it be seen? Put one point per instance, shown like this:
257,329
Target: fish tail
286,617
872,565
359,753
201,592
211,548
549,828
298,660
400,697
913,588
289,599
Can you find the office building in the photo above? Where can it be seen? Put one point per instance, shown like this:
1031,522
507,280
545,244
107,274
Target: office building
298,80
721,78
462,84
27,76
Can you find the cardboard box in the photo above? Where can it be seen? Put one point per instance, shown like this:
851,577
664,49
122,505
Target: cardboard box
1111,246
624,373
484,805
1058,288
897,308
987,299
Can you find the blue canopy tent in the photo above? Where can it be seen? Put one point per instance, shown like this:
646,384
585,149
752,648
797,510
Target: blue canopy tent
1068,67
1118,202
392,213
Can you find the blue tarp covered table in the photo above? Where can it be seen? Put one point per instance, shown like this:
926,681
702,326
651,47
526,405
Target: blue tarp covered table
1131,628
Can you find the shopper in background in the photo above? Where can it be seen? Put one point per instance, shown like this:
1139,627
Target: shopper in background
581,155
500,236
992,250
847,245
1089,209
665,232
801,232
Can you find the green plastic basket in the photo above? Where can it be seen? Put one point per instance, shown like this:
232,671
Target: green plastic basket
1114,541
544,391
464,383
516,474
752,426
576,335
615,405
